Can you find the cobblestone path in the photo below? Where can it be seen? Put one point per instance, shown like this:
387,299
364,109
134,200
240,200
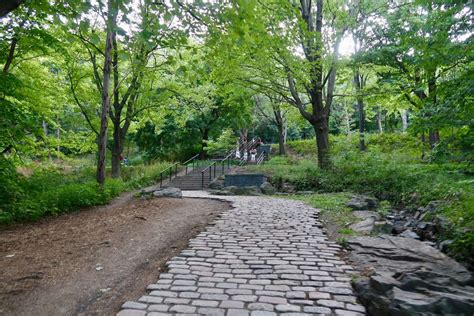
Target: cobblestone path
265,257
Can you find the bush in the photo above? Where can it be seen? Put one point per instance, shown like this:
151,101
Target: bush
391,170
50,191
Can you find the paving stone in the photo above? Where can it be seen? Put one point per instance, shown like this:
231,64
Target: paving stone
317,310
134,305
212,311
158,308
272,300
131,312
150,299
189,295
216,297
238,312
173,300
287,308
260,258
295,294
232,304
262,313
335,290
205,303
318,295
245,298
357,308
261,306
330,303
183,309
347,313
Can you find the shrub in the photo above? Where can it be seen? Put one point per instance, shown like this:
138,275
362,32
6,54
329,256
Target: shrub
51,191
391,170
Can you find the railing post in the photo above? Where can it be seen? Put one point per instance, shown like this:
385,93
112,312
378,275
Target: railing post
202,179
175,170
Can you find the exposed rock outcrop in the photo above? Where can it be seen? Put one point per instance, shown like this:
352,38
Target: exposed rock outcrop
409,277
168,192
362,202
267,188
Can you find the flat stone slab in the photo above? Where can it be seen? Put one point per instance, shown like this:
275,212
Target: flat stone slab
266,256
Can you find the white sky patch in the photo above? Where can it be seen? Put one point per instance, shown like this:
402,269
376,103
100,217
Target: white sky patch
347,46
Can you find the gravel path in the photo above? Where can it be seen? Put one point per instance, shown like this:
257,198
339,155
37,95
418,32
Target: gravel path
266,256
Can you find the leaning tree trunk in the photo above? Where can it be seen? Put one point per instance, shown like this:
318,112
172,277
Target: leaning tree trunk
104,114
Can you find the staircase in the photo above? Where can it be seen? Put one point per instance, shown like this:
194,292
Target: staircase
193,180
199,177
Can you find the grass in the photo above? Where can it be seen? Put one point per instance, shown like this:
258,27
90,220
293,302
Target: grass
332,205
55,189
391,170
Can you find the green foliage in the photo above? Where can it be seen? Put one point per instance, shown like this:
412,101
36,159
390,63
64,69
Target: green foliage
390,171
225,142
52,191
332,205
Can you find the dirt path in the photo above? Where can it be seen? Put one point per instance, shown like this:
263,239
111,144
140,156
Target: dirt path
91,261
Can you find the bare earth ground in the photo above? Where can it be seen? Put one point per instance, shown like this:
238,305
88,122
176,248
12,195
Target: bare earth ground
90,262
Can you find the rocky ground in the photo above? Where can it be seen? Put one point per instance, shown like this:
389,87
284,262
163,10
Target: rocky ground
403,271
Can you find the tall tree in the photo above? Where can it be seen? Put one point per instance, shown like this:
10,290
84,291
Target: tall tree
111,24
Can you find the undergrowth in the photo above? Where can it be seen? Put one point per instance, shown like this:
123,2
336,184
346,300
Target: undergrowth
53,190
391,170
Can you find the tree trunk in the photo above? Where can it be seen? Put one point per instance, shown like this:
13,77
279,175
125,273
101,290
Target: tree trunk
379,121
205,138
116,150
423,141
360,105
404,116
281,129
104,115
45,130
281,140
432,90
321,129
11,54
359,85
6,6
434,138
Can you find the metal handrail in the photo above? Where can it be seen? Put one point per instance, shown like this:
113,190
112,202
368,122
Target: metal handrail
261,158
193,158
247,146
170,168
210,172
175,166
214,165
